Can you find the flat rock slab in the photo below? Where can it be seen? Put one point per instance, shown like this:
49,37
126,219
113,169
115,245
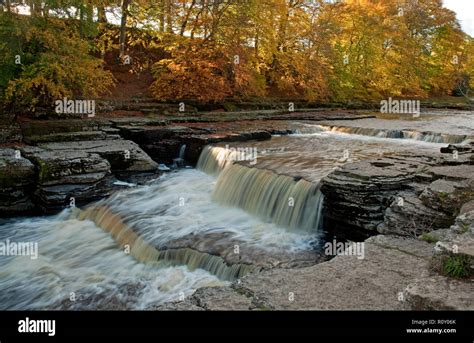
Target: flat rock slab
346,282
70,136
47,127
461,172
123,156
376,282
57,167
138,121
440,293
220,299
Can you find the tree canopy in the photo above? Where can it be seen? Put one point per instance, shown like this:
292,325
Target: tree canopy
216,49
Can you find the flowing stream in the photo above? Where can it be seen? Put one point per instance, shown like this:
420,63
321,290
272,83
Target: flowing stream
157,243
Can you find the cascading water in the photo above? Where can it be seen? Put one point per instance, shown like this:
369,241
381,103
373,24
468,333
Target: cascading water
131,251
181,230
144,252
179,161
76,260
214,159
429,137
289,203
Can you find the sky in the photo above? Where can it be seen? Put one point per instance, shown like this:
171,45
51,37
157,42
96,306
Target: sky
465,13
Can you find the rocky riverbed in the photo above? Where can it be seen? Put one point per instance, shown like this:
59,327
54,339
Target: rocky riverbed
405,193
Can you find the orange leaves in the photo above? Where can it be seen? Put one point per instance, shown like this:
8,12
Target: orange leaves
191,74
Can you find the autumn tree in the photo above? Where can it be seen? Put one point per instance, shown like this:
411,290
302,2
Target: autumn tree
47,58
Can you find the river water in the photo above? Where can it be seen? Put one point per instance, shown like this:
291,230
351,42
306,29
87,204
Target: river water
81,265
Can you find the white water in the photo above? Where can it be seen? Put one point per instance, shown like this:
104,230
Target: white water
76,256
181,204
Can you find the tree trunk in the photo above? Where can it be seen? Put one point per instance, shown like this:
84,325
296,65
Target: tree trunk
123,27
81,20
101,16
162,16
35,8
186,18
169,16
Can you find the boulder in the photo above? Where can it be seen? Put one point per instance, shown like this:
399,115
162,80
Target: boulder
447,196
63,175
408,216
17,183
357,194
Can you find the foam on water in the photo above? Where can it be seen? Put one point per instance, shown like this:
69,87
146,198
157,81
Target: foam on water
181,204
77,257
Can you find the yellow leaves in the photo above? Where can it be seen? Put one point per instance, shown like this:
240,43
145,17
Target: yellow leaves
58,65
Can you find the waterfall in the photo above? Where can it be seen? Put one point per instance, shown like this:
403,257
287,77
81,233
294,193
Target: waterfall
144,252
182,151
179,161
430,137
214,159
280,199
283,200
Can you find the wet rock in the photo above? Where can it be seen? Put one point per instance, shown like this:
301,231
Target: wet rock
451,148
53,199
104,298
223,244
17,183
